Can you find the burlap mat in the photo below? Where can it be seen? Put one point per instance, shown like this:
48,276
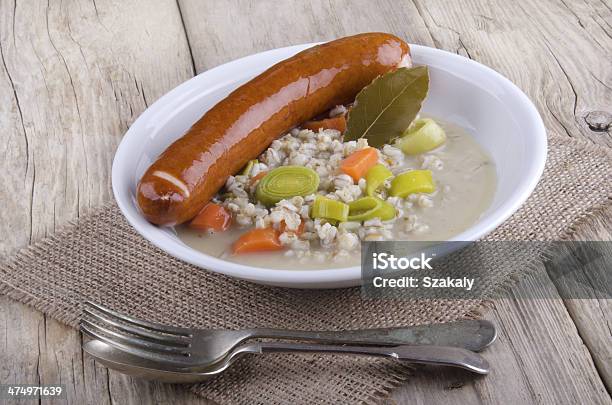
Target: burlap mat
102,259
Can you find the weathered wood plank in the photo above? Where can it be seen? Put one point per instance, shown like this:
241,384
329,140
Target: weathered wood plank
560,60
73,77
220,31
593,317
19,349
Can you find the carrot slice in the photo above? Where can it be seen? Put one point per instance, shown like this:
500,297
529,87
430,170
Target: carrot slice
338,123
358,163
258,240
258,177
213,216
283,228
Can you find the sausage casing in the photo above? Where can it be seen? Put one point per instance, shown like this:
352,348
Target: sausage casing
241,126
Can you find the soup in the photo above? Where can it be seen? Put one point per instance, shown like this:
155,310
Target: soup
463,183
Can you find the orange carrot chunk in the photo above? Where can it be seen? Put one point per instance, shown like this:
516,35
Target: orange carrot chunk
258,240
283,228
358,163
338,123
258,177
212,217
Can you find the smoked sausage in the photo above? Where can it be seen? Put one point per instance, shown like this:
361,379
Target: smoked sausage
241,126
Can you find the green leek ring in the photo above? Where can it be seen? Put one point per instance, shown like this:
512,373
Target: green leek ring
286,182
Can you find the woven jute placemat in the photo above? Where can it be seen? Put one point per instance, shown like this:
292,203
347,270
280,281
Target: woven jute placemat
101,258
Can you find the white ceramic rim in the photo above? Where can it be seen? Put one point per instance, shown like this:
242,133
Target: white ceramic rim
336,276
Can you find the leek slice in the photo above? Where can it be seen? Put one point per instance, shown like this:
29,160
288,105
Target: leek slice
367,208
286,182
375,177
248,167
414,181
329,209
363,208
423,136
385,212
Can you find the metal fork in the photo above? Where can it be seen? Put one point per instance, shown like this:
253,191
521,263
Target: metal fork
191,349
133,365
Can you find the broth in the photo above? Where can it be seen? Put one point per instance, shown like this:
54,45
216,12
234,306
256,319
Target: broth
466,185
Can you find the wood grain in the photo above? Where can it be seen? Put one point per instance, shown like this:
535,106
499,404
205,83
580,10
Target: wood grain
532,361
220,31
75,74
593,317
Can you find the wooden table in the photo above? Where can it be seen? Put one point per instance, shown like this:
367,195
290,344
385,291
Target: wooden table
75,74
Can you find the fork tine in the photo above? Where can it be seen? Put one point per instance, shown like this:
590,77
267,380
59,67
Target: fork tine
181,341
134,342
173,330
145,354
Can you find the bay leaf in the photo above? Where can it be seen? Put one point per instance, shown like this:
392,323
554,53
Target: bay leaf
386,107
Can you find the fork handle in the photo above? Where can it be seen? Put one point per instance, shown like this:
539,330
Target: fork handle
435,355
473,335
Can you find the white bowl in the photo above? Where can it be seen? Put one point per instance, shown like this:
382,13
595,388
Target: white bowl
499,116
